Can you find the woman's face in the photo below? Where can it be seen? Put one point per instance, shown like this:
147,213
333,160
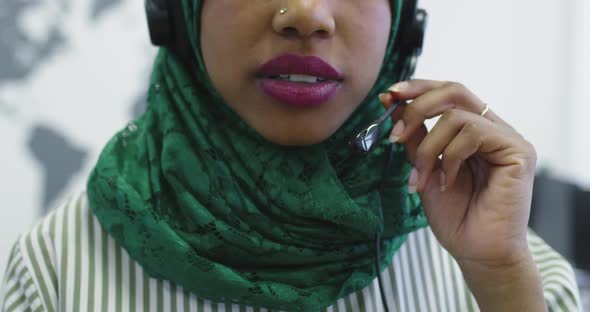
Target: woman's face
238,36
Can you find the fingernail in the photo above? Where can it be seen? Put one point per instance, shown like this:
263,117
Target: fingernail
399,87
443,181
397,131
384,97
412,184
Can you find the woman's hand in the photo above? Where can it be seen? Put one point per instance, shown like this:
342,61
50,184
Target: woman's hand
477,196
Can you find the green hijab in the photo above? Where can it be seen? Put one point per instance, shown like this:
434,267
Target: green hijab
197,197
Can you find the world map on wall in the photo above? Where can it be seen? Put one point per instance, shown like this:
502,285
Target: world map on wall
46,49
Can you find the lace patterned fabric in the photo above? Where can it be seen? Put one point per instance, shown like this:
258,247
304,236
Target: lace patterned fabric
199,198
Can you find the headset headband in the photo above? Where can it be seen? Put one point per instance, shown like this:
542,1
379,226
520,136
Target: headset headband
167,28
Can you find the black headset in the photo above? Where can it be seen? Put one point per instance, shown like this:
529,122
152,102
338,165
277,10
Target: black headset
167,28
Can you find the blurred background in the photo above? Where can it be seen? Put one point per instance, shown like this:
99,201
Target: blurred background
74,72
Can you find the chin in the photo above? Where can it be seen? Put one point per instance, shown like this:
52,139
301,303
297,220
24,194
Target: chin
303,137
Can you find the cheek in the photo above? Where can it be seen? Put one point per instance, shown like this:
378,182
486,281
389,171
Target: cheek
216,30
367,42
228,30
374,32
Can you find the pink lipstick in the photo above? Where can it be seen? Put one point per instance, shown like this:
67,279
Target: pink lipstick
299,81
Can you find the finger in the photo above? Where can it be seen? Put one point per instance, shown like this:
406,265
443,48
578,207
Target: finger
414,140
388,99
456,93
411,152
436,141
494,144
465,144
411,89
413,143
436,102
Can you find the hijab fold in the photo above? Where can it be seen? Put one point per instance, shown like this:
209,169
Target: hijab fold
197,197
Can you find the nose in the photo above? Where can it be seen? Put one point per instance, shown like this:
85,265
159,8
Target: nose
304,19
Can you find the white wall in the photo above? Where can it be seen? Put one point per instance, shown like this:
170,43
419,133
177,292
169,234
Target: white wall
85,90
578,166
527,59
524,59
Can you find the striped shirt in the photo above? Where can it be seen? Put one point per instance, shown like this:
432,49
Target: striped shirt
67,262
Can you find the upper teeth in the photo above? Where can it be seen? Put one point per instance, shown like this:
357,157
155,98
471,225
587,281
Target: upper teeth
301,78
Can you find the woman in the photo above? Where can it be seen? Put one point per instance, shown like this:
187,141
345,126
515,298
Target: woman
237,189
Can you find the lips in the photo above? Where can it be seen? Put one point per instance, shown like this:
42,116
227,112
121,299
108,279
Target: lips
281,78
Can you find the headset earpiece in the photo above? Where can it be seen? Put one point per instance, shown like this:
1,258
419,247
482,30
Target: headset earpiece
416,40
159,22
419,25
167,29
411,37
